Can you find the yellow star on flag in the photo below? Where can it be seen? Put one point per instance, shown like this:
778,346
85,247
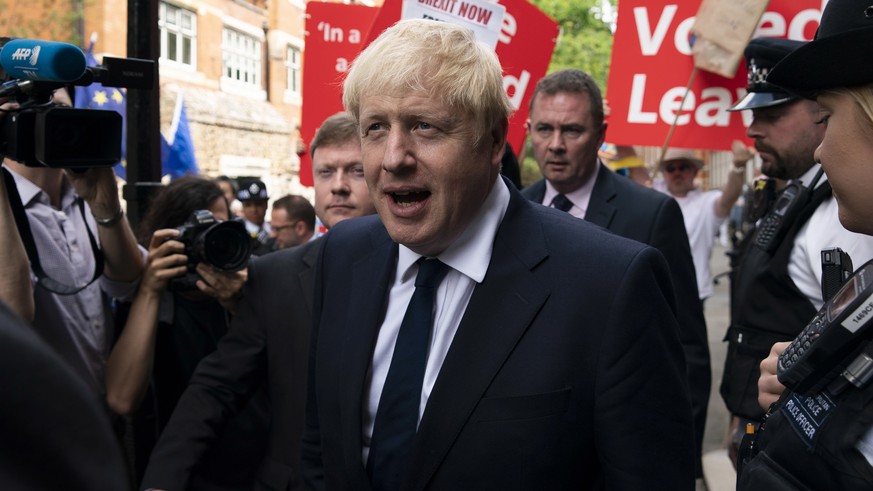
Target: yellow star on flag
100,97
117,97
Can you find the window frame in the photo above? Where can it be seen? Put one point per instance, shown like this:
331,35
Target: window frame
167,28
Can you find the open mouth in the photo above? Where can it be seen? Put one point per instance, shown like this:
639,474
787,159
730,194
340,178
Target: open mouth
409,198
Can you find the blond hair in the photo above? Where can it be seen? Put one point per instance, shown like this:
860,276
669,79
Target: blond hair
440,58
863,97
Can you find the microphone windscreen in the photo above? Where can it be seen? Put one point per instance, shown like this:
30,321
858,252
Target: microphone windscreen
33,59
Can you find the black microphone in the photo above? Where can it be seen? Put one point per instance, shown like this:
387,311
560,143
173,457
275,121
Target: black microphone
33,59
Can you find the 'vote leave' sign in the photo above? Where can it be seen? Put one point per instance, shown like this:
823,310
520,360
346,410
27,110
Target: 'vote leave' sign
652,64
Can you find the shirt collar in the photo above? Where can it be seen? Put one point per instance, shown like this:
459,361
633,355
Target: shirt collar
27,190
807,176
30,192
580,196
470,254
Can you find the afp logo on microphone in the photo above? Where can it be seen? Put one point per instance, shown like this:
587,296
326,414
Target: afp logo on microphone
25,53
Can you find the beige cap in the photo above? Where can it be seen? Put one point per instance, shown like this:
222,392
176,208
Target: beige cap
686,154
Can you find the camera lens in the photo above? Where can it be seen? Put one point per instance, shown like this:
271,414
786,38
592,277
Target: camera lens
227,246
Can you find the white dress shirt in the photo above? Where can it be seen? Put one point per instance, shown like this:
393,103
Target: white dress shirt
468,258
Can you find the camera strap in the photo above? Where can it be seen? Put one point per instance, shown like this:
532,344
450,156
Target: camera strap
43,279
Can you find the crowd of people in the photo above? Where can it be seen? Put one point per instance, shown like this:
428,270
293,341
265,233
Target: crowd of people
451,329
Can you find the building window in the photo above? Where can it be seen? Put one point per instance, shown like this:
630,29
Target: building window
242,58
292,68
178,34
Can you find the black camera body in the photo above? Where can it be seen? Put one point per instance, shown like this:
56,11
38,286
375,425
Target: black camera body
63,137
40,134
226,246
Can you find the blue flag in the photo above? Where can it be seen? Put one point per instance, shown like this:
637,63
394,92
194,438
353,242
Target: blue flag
96,96
177,151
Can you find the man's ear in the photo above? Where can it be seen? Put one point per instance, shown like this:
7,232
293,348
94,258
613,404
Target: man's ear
498,137
300,227
602,134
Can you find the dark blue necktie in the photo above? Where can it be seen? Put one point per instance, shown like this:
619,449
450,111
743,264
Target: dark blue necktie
397,417
561,202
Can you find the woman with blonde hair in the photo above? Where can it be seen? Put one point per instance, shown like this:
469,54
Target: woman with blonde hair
824,440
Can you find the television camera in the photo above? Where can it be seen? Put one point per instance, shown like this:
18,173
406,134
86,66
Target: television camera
38,133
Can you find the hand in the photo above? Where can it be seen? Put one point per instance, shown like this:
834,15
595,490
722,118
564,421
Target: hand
7,104
97,186
742,153
166,260
769,387
224,287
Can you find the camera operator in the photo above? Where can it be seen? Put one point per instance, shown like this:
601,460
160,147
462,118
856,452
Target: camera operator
78,326
174,322
73,439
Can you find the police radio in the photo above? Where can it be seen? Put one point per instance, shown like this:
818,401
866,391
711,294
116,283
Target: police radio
776,223
828,346
836,268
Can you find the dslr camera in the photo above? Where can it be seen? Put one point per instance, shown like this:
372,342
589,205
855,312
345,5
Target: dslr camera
225,245
41,134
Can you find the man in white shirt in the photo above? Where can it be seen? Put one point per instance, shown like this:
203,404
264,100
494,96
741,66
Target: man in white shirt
703,211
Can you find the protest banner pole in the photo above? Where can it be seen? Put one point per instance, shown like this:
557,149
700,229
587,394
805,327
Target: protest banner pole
678,113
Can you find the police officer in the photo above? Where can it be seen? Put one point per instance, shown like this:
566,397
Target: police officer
253,195
824,438
776,286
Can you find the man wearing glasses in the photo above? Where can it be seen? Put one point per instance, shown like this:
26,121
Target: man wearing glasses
567,128
703,211
292,221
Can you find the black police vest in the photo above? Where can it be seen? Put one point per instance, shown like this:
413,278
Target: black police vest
808,448
766,307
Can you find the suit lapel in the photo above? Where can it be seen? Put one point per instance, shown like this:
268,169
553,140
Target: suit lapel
600,209
500,310
306,277
536,191
370,278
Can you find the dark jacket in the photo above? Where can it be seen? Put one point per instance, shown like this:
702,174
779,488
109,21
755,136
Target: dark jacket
268,341
630,210
565,371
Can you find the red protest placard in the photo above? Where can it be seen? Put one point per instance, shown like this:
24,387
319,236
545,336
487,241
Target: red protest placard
652,64
525,46
335,34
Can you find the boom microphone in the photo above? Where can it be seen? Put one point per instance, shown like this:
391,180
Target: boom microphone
33,59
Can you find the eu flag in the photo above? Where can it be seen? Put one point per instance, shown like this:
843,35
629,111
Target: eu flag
96,96
177,151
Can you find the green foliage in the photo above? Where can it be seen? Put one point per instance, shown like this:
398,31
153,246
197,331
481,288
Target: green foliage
56,20
585,42
530,171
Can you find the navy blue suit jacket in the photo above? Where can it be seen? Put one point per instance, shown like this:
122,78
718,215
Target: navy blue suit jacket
645,215
565,373
268,342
